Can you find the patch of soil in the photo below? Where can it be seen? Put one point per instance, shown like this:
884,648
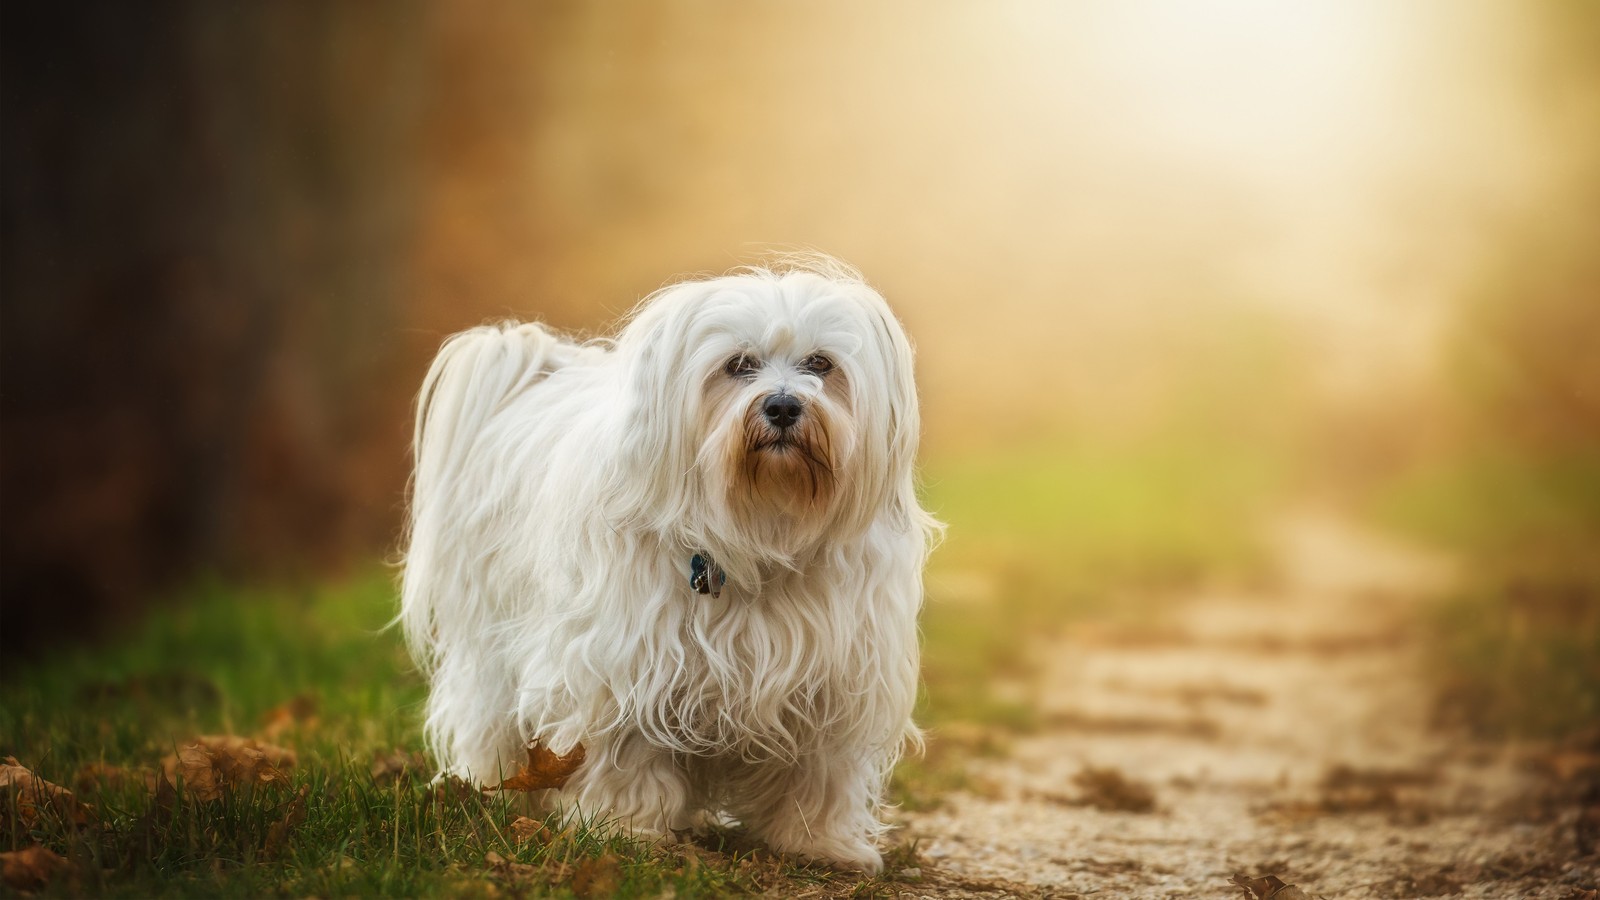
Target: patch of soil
1314,758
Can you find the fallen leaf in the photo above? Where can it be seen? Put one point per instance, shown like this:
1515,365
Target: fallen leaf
31,867
1345,790
97,777
507,869
232,744
153,823
1569,765
1268,887
197,769
452,789
1345,777
599,877
396,766
526,829
545,769
33,793
1109,789
212,764
298,711
278,833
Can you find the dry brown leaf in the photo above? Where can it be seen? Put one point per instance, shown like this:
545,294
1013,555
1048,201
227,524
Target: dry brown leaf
33,793
273,755
31,867
1109,789
197,770
599,877
1345,777
97,777
212,764
452,790
299,711
1570,765
153,823
545,770
387,769
1268,887
507,869
525,829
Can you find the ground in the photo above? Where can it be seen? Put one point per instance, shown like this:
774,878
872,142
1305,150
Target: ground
1282,730
1129,741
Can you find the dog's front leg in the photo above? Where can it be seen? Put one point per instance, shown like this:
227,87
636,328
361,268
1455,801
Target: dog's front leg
629,784
822,808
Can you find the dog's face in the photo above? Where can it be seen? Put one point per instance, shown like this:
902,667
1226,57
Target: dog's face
777,423
770,409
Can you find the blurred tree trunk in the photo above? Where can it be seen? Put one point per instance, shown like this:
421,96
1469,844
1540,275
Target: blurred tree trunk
203,208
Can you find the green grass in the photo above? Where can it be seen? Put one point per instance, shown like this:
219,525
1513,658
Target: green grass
1520,657
1046,538
1516,644
1077,521
1503,508
218,662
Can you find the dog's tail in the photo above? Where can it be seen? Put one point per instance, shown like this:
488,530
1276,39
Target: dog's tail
475,374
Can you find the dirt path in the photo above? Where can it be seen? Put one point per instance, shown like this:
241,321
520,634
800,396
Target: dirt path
1279,732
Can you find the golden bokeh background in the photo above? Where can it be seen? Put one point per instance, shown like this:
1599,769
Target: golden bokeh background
1322,248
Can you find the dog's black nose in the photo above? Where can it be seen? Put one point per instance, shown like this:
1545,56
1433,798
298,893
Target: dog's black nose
782,410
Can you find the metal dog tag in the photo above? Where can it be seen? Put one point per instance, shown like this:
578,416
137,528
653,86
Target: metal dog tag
706,577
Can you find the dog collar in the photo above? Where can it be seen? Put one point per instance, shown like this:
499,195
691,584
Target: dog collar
705,576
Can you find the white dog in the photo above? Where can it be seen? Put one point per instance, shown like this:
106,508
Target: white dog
695,550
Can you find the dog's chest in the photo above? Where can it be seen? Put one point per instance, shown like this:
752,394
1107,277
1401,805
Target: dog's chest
748,679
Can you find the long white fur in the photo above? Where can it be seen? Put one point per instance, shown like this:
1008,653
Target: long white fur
560,492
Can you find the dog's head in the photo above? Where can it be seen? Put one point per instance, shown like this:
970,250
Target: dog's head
767,410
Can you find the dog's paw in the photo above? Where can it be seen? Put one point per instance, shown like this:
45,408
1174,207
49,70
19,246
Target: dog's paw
649,834
841,853
648,829
702,821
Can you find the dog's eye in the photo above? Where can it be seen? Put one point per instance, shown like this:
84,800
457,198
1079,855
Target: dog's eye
741,365
817,364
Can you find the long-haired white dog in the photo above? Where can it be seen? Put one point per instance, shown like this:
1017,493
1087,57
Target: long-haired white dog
695,550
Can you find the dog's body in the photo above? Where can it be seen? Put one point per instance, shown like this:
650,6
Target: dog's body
755,432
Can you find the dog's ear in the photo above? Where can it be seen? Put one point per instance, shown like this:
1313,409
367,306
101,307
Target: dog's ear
886,408
660,395
902,420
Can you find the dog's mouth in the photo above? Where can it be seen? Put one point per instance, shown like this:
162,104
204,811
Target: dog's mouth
789,466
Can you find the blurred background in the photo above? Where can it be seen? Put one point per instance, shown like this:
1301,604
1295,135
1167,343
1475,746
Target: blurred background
1172,268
